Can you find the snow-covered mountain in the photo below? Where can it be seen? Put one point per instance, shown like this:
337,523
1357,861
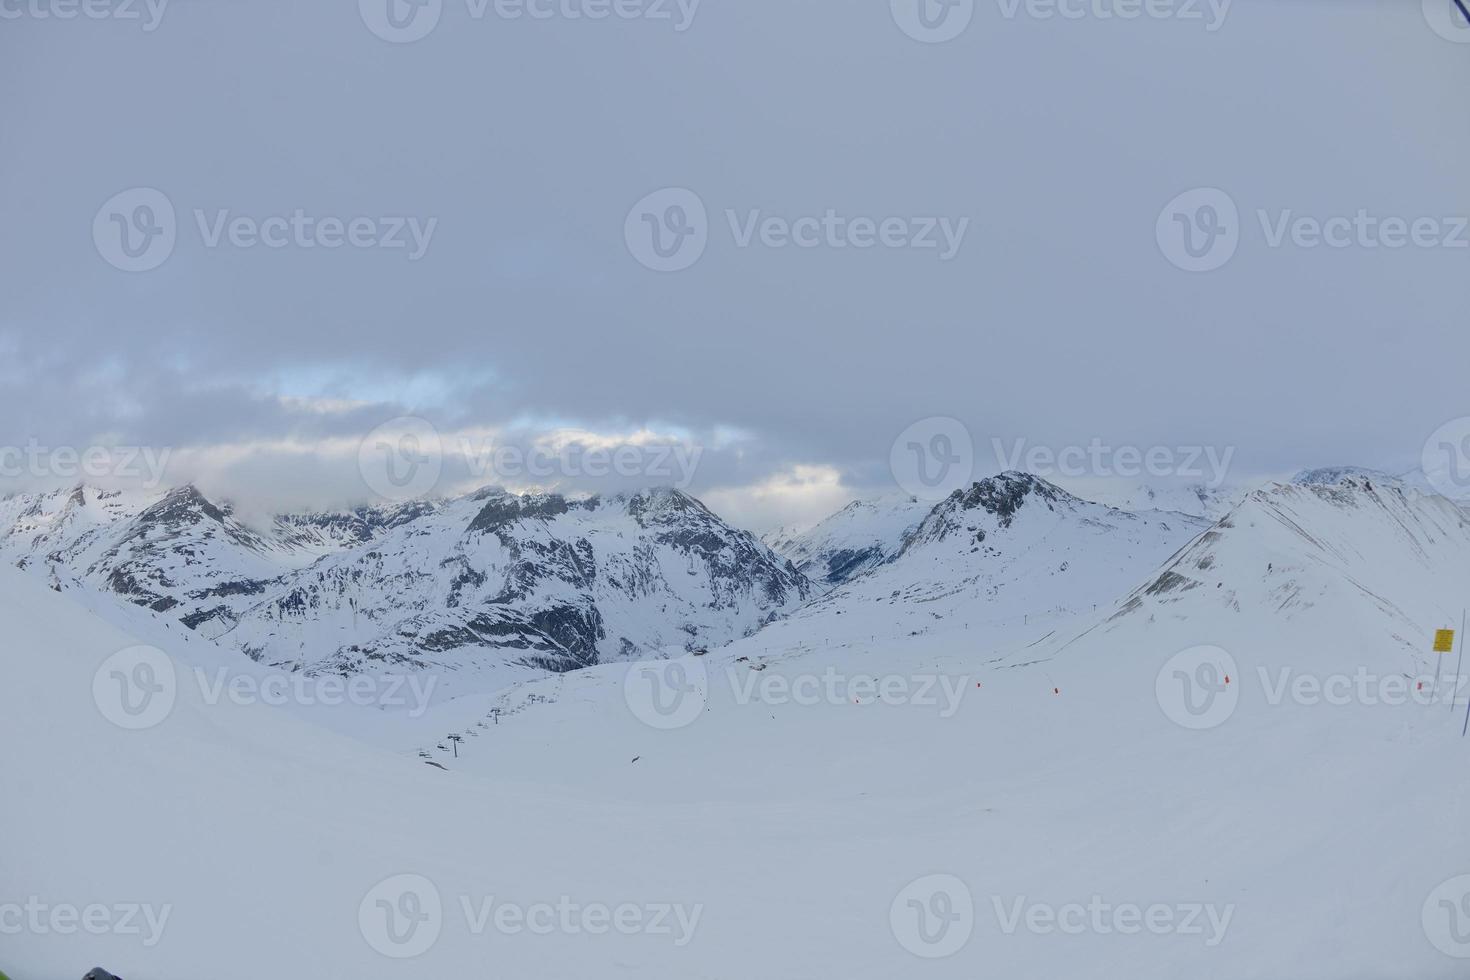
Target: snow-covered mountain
544,582
1365,561
555,583
34,525
1011,547
860,536
176,552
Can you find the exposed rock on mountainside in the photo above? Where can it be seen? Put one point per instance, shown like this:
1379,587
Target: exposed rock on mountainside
541,581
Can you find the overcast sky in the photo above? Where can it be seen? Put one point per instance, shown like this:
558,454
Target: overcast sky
506,156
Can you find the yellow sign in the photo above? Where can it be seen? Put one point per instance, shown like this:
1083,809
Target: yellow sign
1444,641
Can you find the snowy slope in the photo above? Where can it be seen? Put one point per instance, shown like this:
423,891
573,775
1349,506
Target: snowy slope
1369,556
800,836
1045,770
329,532
1172,496
858,537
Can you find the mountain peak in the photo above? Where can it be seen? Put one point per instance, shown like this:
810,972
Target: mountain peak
1331,475
1005,493
181,502
659,500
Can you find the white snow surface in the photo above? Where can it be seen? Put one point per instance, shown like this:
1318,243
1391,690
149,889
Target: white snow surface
1317,832
1192,497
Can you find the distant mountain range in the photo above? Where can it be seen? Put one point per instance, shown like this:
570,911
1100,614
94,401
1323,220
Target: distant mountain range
503,584
488,580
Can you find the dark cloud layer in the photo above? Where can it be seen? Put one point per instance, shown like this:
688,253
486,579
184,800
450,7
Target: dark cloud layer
1059,320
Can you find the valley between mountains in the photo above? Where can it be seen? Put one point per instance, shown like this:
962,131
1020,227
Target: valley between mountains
1014,698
